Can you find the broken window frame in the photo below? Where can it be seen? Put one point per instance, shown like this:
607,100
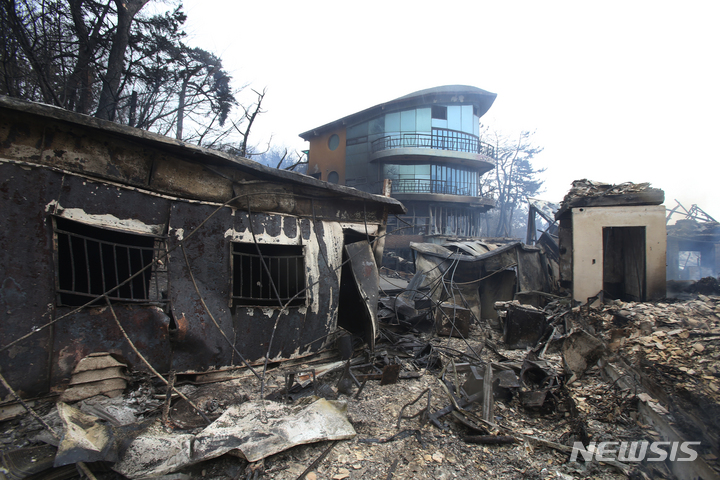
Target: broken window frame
150,287
265,296
684,264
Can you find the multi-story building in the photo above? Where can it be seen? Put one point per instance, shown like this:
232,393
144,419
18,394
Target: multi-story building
426,146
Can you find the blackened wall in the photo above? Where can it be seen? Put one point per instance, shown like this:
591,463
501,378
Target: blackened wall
178,334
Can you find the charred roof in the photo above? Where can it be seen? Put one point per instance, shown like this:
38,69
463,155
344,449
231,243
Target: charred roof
589,193
20,113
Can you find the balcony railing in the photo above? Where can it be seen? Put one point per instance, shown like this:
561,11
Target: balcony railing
439,139
417,185
443,220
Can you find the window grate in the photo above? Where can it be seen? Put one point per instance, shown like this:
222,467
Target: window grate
251,283
91,261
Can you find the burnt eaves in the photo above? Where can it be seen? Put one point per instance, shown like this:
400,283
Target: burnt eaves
208,158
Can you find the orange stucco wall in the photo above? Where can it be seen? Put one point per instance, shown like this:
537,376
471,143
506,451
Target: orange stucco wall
324,160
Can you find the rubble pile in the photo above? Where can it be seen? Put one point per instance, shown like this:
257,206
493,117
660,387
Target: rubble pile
481,402
683,336
590,188
231,322
675,350
706,286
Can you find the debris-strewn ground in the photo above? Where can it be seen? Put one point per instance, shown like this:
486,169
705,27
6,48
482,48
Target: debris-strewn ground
675,344
681,339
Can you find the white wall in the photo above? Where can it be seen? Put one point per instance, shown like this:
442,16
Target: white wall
587,225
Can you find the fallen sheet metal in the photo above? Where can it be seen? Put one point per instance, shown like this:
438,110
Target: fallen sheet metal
359,292
256,429
242,427
116,411
580,351
85,439
156,453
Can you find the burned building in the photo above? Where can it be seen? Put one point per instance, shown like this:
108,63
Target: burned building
204,259
479,274
612,239
426,148
693,248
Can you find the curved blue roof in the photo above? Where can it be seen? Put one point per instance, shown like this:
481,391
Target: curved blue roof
445,94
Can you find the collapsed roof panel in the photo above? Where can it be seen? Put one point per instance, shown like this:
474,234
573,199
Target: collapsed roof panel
544,208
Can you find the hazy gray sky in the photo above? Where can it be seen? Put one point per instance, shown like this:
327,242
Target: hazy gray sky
615,91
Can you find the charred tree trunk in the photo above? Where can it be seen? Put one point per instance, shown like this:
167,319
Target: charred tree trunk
81,80
126,11
181,107
187,75
9,9
250,118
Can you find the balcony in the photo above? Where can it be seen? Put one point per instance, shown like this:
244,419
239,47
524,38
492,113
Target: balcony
443,187
449,192
439,139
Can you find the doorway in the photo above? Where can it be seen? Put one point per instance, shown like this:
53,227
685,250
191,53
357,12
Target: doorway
624,263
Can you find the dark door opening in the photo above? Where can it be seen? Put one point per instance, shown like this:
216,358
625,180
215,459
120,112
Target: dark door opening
359,286
624,263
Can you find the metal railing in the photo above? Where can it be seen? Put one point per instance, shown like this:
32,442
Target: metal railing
91,266
253,286
417,185
461,222
439,139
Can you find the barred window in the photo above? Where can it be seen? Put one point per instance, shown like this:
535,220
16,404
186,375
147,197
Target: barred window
90,261
251,283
